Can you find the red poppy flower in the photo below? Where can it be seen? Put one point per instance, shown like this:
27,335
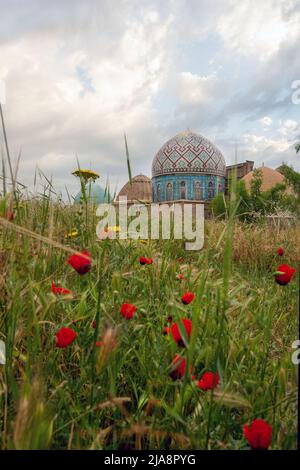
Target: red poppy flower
59,290
144,260
127,311
98,344
178,367
287,274
9,215
169,319
81,262
258,434
180,277
166,330
187,298
64,337
208,381
187,325
280,251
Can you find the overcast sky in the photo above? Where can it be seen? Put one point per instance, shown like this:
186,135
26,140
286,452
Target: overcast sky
80,74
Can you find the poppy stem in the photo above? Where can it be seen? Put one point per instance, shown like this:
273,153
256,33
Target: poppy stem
97,328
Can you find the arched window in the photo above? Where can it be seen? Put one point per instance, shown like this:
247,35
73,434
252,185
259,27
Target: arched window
211,190
197,190
158,192
169,192
182,190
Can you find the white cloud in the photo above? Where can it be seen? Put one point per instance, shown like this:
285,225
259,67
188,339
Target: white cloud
50,116
258,29
196,89
272,151
77,78
266,121
258,143
289,129
69,89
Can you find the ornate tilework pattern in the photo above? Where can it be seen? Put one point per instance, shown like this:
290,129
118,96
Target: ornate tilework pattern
188,187
191,153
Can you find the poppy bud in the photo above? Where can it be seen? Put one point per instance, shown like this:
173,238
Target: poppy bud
166,330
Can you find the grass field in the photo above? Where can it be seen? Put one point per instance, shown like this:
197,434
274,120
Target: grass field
119,394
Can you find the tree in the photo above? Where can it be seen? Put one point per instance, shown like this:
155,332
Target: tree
220,202
219,205
274,197
292,177
256,182
257,202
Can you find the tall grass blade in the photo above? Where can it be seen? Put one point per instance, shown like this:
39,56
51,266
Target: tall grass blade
128,160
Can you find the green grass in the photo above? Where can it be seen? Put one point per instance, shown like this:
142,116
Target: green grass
82,398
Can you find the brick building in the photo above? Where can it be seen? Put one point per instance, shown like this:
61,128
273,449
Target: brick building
242,169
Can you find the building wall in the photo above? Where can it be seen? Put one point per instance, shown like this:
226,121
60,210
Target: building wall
197,187
241,169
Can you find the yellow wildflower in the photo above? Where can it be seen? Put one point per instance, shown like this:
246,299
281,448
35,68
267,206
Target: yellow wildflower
86,174
72,234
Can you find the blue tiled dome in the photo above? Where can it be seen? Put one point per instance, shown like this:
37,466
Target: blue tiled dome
95,193
188,167
188,152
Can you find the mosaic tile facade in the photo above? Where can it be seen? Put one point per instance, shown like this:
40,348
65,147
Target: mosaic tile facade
190,187
188,167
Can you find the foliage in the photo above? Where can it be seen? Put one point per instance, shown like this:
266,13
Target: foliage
258,202
121,396
220,203
292,177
